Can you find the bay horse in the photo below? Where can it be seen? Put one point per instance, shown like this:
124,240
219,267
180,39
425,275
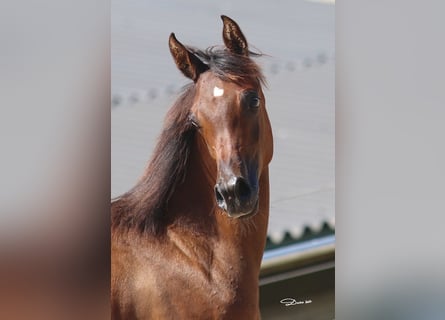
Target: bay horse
188,238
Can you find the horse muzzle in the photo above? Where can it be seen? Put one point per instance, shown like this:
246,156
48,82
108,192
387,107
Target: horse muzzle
237,197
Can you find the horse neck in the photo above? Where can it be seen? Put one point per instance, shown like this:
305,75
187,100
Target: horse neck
239,241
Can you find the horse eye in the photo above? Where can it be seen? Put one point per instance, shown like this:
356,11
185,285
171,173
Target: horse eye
252,100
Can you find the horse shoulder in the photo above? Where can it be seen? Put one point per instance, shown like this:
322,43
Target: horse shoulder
132,280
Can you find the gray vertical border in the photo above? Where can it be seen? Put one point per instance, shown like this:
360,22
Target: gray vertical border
390,159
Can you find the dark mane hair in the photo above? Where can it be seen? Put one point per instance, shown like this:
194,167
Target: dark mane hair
231,67
143,208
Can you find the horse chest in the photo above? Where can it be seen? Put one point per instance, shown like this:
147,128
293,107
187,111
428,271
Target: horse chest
184,289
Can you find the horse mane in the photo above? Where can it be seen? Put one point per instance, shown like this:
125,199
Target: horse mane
143,208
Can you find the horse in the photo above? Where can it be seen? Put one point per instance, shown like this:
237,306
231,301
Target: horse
187,240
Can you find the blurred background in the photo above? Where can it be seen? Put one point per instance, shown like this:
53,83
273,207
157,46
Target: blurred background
297,39
55,154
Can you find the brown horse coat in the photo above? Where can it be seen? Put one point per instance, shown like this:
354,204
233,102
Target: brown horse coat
188,239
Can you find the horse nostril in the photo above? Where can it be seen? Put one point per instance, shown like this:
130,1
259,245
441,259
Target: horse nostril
242,189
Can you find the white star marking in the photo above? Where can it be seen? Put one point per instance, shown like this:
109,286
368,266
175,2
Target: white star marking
217,92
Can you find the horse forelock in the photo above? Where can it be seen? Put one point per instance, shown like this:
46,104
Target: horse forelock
231,67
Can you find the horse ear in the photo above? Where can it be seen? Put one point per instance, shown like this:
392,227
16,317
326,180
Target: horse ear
234,39
187,62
